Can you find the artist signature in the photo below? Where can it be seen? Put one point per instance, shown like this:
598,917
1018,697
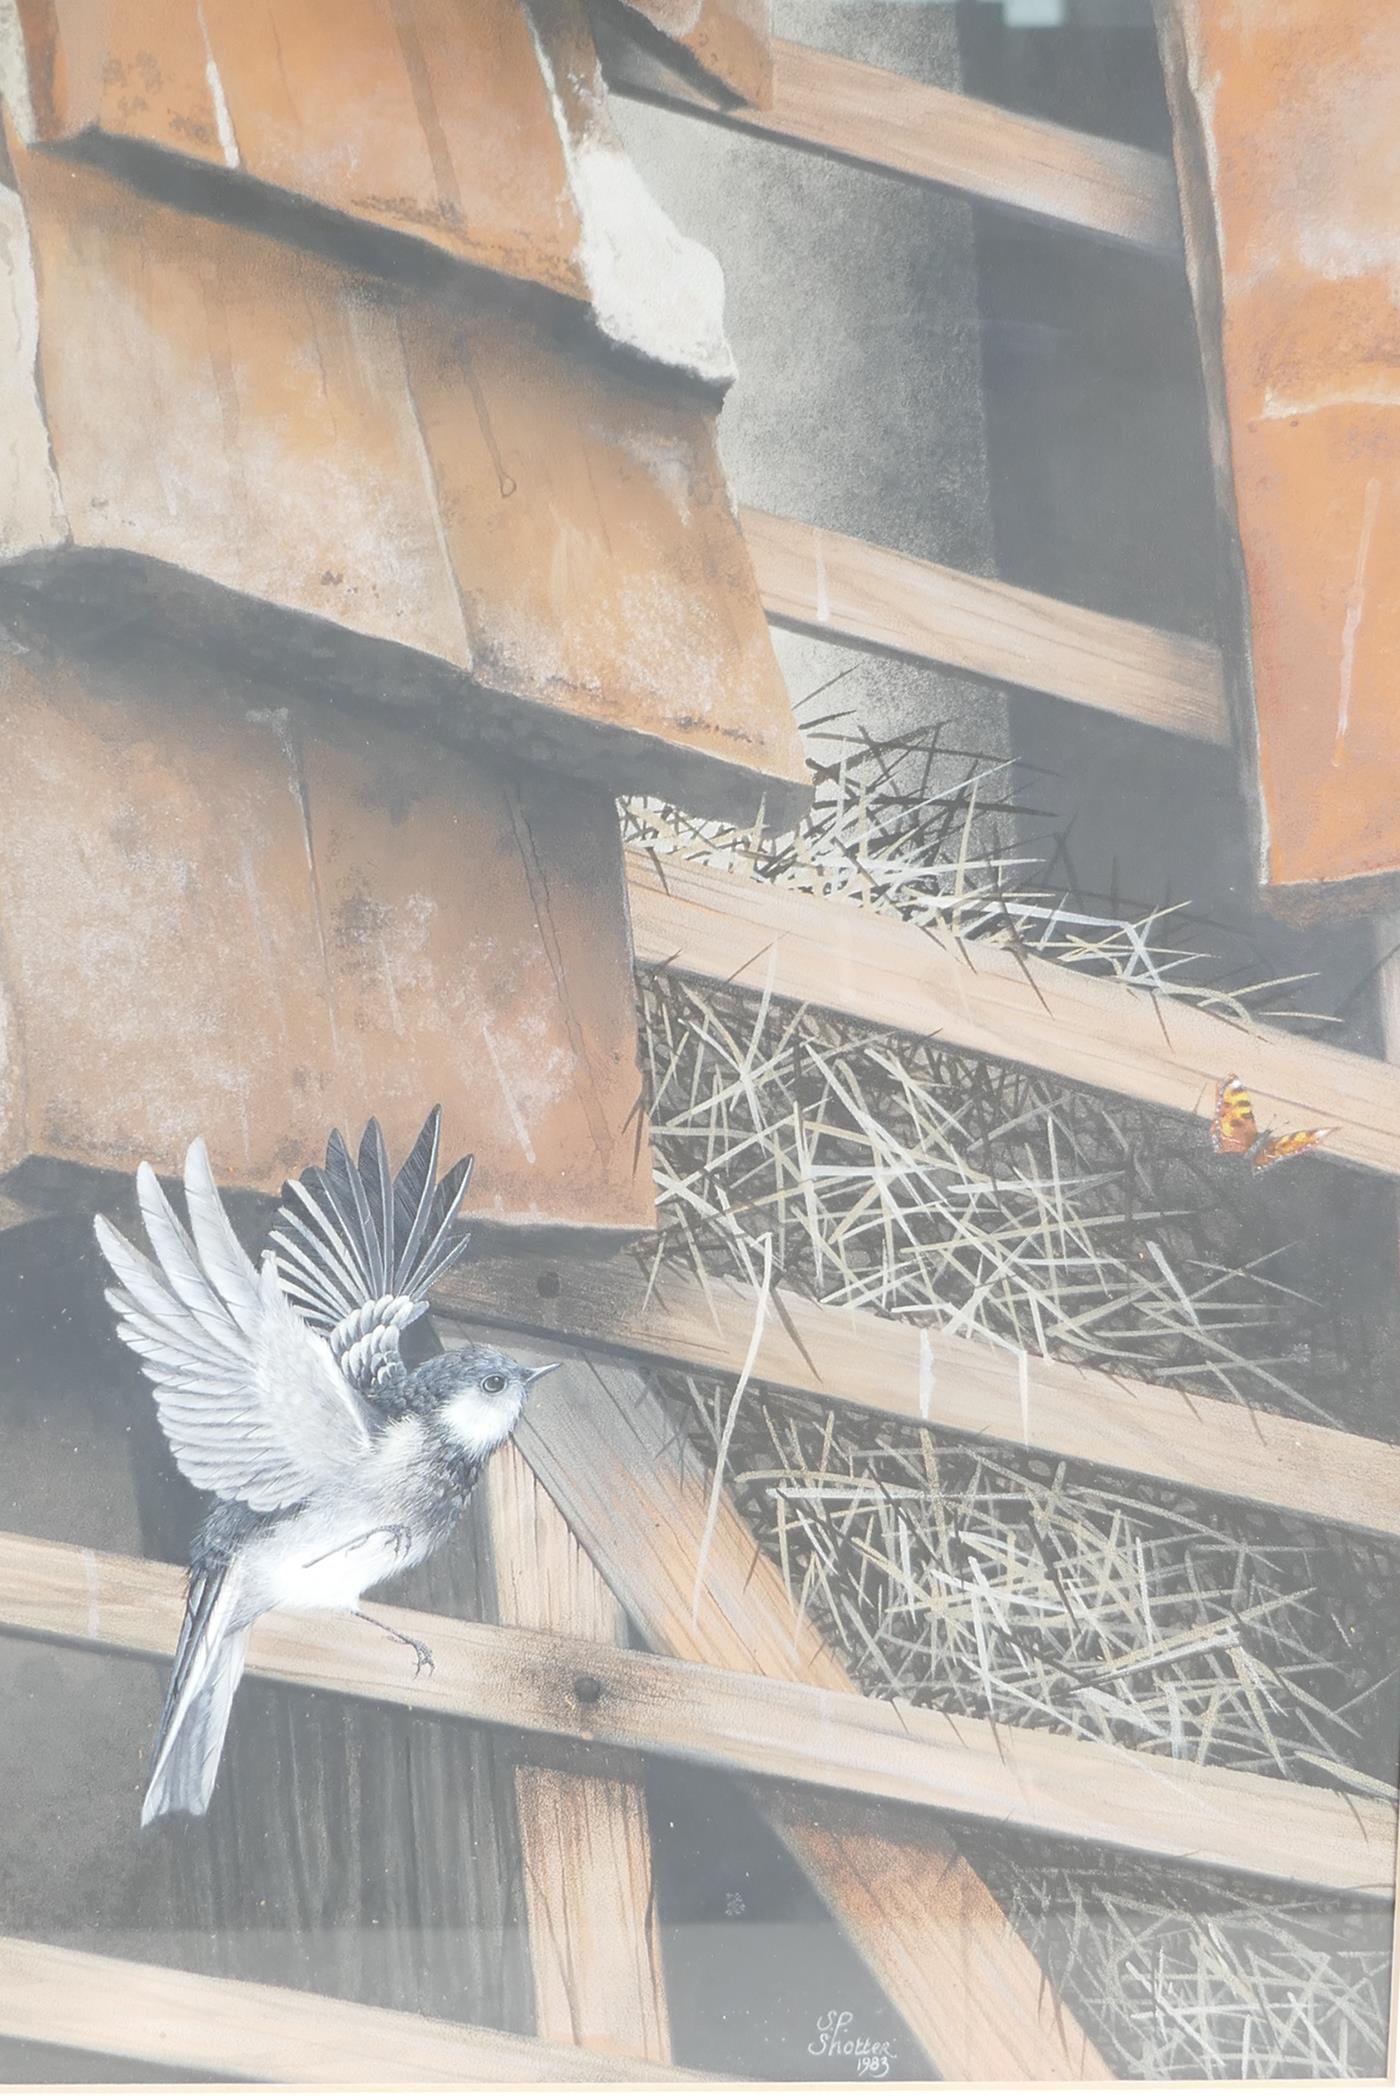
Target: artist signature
836,2037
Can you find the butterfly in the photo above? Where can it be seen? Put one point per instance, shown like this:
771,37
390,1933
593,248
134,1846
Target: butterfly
1233,1129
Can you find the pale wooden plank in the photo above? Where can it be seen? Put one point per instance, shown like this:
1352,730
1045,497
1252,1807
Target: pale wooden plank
595,1948
884,120
1096,1031
844,589
261,2032
921,1916
968,1387
548,1684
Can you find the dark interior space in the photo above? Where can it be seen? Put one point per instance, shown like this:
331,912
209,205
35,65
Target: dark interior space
1101,494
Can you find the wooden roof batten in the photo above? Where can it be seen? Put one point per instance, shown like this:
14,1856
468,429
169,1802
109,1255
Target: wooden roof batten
836,588
225,2028
798,1732
908,1372
884,120
1094,1031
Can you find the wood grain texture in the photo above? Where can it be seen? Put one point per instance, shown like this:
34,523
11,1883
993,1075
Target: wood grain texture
260,2032
595,1948
904,127
971,1388
921,1917
1095,1031
827,584
791,1729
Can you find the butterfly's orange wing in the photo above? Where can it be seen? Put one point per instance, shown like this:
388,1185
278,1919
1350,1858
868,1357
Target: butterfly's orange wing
1233,1128
1277,1148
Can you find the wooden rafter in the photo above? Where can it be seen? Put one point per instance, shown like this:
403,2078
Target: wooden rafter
1095,1031
971,1388
595,1947
548,1684
842,589
261,2032
932,1932
885,120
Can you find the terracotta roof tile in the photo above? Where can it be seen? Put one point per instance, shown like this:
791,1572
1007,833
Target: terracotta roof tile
476,127
274,926
433,120
453,507
1289,144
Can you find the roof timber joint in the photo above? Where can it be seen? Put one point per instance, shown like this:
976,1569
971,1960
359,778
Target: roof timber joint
881,1750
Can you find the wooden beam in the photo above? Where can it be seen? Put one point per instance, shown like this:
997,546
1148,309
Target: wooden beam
918,1912
595,1946
547,1684
843,589
1095,1031
851,1357
880,119
260,2032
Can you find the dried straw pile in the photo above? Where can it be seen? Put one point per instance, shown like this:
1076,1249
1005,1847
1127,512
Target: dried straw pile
918,1181
1190,1978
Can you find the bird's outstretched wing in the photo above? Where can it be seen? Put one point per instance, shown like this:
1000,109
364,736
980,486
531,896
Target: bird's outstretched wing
357,1248
253,1403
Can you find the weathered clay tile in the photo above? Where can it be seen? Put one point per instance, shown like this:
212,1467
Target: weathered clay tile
277,920
432,119
731,39
431,502
1287,138
455,123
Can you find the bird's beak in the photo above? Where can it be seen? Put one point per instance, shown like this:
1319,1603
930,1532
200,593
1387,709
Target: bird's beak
540,1371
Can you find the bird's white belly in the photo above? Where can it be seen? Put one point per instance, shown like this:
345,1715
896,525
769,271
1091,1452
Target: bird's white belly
334,1579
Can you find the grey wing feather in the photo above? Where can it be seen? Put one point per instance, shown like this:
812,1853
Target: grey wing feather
253,1404
366,1344
357,1250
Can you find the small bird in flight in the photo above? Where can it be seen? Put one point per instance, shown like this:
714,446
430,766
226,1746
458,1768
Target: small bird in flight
284,1392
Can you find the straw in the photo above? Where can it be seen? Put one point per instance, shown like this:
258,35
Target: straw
859,1167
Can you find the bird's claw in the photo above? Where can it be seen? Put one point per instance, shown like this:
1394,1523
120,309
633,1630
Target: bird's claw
422,1659
400,1539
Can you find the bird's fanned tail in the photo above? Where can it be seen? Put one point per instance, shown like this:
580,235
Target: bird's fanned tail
208,1664
350,1235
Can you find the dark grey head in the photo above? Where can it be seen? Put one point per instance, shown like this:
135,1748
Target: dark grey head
476,1393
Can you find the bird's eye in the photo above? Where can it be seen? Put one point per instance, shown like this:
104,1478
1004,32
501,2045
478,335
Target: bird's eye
494,1382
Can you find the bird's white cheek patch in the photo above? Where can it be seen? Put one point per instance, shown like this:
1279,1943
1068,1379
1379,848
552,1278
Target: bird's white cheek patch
479,1423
